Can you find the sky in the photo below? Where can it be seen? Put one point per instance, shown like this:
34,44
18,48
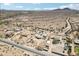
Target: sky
38,6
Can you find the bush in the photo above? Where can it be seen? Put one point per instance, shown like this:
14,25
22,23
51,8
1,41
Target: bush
77,50
56,41
3,22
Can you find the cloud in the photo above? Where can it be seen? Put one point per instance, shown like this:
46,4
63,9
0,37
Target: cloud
43,8
36,3
19,6
6,4
27,9
71,6
49,8
37,9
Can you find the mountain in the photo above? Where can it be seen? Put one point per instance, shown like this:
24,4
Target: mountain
46,13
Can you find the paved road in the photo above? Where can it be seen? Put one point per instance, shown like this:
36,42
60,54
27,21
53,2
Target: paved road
42,53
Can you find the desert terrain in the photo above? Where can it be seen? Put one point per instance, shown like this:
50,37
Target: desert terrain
50,32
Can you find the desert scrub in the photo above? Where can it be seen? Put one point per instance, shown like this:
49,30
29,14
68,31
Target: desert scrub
77,50
1,36
3,22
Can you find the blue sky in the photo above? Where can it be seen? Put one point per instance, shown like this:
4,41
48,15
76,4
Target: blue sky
37,6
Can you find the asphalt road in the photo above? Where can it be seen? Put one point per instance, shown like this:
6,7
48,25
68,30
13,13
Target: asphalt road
42,53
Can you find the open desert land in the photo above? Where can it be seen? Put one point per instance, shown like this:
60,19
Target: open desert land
34,33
